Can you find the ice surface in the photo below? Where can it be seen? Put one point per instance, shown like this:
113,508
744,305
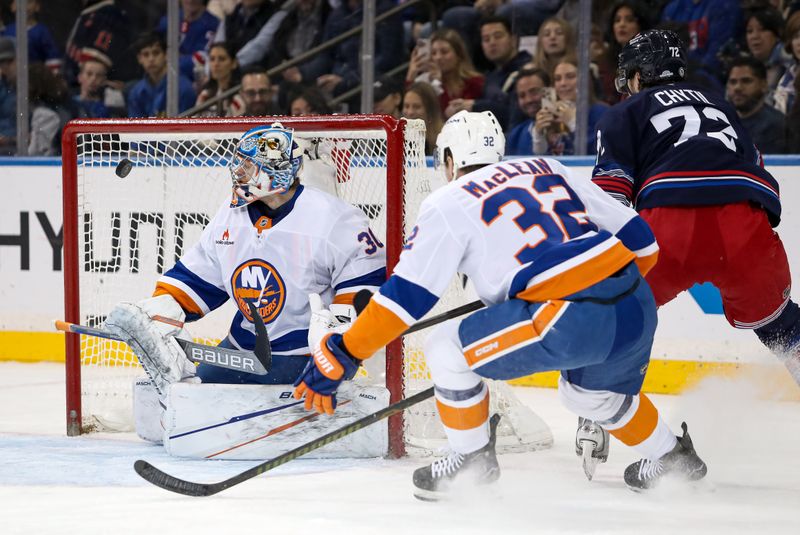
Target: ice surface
53,484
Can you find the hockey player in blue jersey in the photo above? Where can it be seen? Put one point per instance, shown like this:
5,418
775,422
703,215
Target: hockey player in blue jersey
275,243
679,155
557,263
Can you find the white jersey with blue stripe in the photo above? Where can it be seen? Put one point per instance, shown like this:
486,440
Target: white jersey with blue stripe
526,228
315,243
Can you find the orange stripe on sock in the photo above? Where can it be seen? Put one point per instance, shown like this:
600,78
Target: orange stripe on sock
641,426
581,276
186,302
464,418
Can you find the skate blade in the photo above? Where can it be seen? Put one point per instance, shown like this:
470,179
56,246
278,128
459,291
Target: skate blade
589,462
430,495
680,483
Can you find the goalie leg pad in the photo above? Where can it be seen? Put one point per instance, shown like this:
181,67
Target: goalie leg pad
148,411
257,422
153,342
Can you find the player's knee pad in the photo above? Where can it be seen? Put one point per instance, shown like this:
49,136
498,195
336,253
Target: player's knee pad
782,334
609,409
445,358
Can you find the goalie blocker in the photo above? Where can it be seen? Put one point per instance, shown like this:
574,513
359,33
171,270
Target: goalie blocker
254,422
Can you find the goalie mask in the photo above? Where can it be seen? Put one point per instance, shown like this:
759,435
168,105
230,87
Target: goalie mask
265,162
471,138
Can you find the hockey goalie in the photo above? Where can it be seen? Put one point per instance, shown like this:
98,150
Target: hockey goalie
297,254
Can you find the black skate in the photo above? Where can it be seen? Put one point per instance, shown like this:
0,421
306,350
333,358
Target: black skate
432,482
591,445
682,462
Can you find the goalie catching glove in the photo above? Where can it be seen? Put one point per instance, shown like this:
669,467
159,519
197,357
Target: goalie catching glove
150,327
325,371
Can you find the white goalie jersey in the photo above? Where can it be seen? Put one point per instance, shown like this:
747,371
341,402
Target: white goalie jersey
273,259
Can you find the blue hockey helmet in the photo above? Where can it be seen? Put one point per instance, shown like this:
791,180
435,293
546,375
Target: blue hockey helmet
265,162
659,56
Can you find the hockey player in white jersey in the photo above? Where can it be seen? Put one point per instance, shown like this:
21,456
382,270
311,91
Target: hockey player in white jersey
558,264
275,243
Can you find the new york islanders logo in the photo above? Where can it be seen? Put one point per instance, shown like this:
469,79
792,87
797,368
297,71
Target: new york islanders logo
258,282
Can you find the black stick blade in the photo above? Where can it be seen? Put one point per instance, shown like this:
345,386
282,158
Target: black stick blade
168,482
262,349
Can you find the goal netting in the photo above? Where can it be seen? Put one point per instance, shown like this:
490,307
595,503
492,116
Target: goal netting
121,234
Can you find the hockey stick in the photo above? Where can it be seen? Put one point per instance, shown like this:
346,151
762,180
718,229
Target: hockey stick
181,486
362,298
232,359
189,488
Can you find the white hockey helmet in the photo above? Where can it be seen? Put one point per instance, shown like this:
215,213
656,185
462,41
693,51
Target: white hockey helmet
472,138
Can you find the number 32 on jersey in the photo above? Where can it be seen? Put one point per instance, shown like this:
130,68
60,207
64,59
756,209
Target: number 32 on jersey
550,212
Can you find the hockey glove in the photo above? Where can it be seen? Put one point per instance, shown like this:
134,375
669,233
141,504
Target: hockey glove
337,319
325,371
150,327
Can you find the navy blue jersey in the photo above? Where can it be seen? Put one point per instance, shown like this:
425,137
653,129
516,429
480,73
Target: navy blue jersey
678,145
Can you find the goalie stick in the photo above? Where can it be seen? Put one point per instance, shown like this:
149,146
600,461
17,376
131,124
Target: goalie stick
258,361
189,488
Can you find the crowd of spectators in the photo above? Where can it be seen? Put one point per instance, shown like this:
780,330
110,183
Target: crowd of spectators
517,58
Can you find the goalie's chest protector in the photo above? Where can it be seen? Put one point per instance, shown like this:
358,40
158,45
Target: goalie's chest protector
310,244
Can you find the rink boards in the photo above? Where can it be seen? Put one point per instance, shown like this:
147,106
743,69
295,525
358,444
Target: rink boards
693,338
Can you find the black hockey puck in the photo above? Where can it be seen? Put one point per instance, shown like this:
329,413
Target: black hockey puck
124,168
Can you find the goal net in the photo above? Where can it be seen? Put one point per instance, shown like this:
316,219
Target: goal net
122,233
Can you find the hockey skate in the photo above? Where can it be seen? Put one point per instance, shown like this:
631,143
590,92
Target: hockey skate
432,482
792,363
682,462
591,445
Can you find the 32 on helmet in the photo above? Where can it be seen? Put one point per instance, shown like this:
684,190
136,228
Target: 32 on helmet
266,161
659,56
471,138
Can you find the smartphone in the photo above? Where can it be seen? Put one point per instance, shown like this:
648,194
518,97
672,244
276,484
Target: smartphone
549,99
424,48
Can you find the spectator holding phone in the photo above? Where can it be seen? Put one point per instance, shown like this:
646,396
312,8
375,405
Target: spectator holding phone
554,131
420,64
448,68
531,86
